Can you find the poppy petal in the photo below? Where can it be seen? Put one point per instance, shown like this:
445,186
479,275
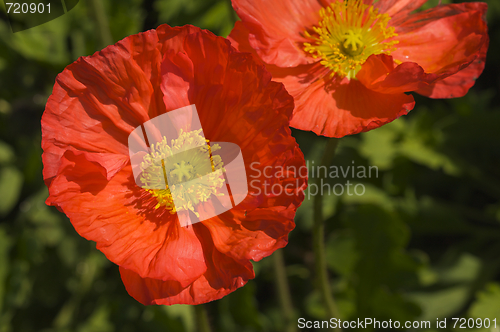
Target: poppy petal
276,28
335,108
223,276
239,38
443,37
93,91
458,84
347,109
379,74
398,8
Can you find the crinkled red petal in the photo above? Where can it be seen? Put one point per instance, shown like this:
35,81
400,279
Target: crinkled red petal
397,9
458,84
335,107
444,37
277,28
223,276
380,74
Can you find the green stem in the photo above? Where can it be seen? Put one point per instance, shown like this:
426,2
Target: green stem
319,238
102,22
201,318
285,297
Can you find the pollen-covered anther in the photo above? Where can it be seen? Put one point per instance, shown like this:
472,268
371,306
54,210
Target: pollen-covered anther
347,34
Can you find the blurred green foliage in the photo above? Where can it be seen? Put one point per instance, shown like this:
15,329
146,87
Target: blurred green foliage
422,243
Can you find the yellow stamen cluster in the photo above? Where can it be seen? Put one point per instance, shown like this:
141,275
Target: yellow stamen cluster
173,172
347,34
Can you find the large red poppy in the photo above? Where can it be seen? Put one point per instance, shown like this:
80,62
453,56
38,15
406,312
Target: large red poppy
349,63
100,99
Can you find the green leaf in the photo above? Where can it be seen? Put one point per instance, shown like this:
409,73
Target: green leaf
441,303
185,313
11,181
47,222
243,307
436,218
379,146
218,18
6,153
383,266
487,304
371,195
466,269
125,17
46,42
341,253
420,153
98,321
170,9
455,280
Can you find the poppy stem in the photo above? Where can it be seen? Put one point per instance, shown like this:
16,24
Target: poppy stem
101,20
319,238
285,297
201,318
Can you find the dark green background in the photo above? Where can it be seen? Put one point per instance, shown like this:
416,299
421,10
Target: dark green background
423,242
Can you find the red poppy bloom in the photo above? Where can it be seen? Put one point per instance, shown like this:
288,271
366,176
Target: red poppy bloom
349,63
100,99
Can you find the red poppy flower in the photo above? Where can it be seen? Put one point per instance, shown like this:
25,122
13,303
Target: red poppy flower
100,99
349,63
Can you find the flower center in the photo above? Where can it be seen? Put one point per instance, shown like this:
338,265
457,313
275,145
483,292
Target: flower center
352,43
182,171
347,34
182,174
